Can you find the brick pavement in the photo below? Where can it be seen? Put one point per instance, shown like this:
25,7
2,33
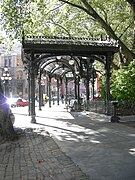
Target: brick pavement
36,156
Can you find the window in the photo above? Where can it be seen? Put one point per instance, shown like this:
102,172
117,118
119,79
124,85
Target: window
5,63
19,75
18,62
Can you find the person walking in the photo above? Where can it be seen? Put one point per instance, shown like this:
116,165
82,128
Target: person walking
62,98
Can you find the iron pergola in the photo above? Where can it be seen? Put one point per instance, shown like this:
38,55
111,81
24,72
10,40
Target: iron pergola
41,54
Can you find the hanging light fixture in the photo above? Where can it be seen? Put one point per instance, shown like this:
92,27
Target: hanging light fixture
71,61
58,57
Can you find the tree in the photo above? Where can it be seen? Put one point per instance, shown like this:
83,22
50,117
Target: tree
102,17
122,87
71,18
132,3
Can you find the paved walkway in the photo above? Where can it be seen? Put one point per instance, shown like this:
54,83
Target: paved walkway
36,157
87,144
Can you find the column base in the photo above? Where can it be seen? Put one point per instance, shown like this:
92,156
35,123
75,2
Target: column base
33,119
115,119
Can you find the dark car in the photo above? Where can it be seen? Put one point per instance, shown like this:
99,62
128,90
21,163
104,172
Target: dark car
5,108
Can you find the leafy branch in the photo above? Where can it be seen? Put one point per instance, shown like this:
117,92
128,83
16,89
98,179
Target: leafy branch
90,11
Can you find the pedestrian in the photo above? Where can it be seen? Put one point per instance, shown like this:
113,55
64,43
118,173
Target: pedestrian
53,100
62,98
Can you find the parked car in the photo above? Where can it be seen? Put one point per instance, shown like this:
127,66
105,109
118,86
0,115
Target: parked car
5,109
22,102
4,106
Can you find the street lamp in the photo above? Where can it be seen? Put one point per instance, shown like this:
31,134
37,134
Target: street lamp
6,78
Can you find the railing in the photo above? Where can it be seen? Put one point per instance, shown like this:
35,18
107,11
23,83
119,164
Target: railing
123,108
99,107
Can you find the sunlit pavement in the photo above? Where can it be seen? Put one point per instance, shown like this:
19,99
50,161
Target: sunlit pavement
103,150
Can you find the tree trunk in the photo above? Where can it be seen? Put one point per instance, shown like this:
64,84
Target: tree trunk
133,6
126,51
132,3
6,127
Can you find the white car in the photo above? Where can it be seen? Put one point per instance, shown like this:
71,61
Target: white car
12,101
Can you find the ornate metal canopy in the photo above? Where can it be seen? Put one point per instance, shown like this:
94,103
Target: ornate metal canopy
62,56
53,53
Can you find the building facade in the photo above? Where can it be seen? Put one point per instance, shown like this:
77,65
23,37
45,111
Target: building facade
18,83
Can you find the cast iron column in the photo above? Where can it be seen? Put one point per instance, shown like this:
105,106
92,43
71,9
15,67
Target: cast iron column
29,94
32,84
78,92
58,89
66,92
40,94
49,86
75,88
93,88
87,89
107,84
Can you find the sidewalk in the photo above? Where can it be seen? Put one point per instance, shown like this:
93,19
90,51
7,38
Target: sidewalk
35,156
86,143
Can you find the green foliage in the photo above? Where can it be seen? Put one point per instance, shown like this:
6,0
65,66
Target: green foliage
123,83
38,17
119,16
102,90
43,18
59,18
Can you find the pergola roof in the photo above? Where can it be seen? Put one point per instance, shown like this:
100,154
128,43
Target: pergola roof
66,45
53,53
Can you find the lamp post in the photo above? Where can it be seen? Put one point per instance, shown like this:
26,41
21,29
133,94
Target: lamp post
6,78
